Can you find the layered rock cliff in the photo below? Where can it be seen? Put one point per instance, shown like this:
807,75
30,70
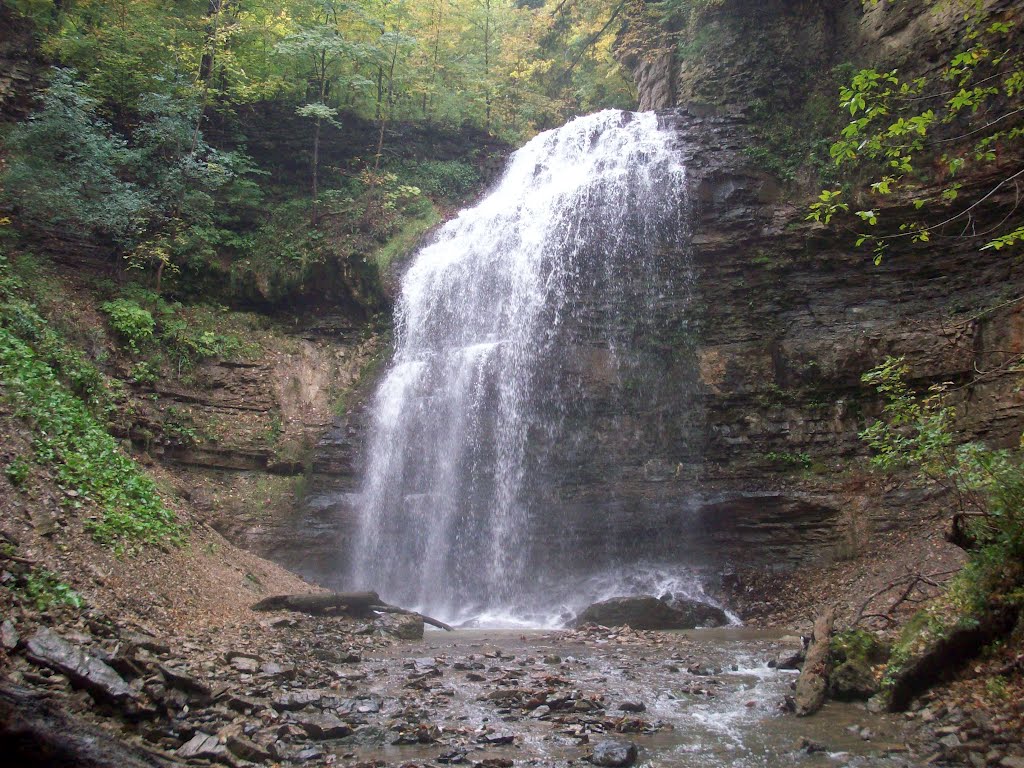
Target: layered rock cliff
729,437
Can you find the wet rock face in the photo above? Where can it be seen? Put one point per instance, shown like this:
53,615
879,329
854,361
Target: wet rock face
648,612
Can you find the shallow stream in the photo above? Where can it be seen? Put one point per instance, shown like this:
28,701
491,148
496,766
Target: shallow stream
709,699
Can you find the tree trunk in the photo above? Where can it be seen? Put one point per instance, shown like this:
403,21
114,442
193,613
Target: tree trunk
812,684
358,604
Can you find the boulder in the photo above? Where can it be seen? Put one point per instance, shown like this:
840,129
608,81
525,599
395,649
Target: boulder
852,681
853,655
648,612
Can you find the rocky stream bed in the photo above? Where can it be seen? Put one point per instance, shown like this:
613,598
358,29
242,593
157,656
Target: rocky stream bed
294,689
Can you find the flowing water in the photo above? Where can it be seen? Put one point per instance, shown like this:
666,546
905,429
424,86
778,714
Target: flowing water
709,699
500,320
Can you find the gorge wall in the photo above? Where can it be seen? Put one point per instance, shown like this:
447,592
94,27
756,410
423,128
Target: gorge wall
738,443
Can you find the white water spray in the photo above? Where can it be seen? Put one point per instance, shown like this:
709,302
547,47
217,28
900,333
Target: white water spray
558,264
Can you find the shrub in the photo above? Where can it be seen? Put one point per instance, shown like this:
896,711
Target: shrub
44,588
130,321
86,459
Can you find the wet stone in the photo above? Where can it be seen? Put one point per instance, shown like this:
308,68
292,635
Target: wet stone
496,739
307,754
808,746
633,706
614,754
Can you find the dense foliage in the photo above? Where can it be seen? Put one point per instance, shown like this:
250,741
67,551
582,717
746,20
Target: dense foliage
915,139
117,150
66,400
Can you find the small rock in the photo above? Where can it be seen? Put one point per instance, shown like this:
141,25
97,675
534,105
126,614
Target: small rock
495,739
244,704
804,744
401,626
877,705
633,706
310,753
9,635
296,700
183,681
614,754
324,726
273,669
1011,762
950,741
789,658
147,643
203,746
452,757
245,665
247,749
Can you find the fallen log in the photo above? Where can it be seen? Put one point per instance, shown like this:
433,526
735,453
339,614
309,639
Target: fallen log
812,684
350,603
356,604
36,733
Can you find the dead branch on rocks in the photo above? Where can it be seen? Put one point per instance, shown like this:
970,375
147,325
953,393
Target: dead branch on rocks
356,604
911,582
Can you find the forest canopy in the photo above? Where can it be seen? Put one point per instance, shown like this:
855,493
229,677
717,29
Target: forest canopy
510,66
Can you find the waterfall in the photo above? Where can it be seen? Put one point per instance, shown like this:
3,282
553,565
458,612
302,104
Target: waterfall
509,321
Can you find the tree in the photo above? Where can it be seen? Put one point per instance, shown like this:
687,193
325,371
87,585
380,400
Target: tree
323,48
917,139
67,167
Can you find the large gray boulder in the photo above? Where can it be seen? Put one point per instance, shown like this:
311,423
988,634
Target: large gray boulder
648,612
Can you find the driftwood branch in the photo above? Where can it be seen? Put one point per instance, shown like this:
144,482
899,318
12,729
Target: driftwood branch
357,604
426,619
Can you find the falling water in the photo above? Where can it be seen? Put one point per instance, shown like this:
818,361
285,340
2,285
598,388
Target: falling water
560,265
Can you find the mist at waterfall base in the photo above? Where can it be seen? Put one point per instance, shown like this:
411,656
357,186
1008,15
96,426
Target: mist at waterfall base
515,329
